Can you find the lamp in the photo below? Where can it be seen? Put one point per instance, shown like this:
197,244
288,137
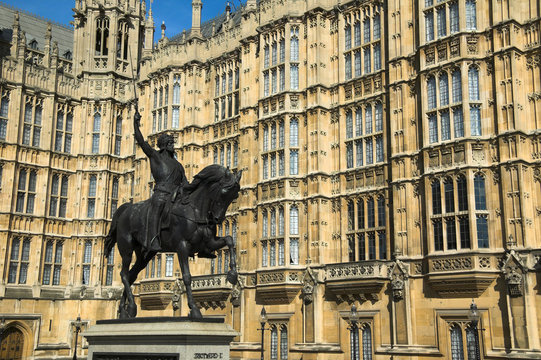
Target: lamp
78,324
354,319
474,316
263,321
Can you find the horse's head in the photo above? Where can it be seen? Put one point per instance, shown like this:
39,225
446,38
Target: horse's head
228,190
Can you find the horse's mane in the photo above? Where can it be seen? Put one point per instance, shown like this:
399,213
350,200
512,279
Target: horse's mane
206,178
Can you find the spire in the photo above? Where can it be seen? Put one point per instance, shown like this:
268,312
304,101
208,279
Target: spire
149,31
197,5
16,35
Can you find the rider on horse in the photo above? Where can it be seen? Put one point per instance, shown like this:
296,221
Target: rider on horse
169,176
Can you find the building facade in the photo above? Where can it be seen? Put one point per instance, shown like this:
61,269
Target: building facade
390,154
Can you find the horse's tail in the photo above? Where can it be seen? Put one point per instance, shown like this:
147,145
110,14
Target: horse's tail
110,239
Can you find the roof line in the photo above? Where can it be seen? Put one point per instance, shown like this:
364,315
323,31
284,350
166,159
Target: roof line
26,12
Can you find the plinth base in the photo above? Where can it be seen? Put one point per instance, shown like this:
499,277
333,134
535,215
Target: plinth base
159,338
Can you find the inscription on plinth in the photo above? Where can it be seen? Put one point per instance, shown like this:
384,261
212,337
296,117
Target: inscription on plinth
131,356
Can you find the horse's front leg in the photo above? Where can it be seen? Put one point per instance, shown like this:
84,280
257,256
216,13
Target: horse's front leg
218,243
183,253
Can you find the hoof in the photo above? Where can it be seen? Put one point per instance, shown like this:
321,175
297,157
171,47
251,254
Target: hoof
132,311
122,313
232,277
195,313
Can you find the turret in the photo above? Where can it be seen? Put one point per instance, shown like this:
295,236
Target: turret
149,32
197,5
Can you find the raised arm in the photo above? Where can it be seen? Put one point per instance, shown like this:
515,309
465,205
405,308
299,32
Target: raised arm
147,149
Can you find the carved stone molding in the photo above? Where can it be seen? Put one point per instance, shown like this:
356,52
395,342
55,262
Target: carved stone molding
513,271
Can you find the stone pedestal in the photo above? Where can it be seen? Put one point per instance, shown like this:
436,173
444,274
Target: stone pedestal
159,338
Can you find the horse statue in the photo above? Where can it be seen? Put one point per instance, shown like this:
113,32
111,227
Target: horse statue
191,229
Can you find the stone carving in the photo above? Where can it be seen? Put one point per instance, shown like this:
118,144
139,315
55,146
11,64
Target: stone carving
513,277
177,294
461,263
236,295
397,286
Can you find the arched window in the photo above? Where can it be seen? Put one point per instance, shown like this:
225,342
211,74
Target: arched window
436,197
265,230
33,44
281,134
381,211
228,157
450,226
273,136
366,30
293,220
294,132
349,124
102,36
4,110
444,89
357,34
87,259
284,347
274,343
480,196
358,122
281,221
351,216
265,138
471,343
273,223
379,117
235,154
377,27
347,37
368,119
360,214
67,55
371,213
215,155
431,92
122,40
354,343
471,15
367,343
118,135
457,349
457,86
473,83
462,193
294,48
449,195
266,60
96,133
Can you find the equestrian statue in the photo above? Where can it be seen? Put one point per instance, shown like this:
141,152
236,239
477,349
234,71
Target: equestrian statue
180,217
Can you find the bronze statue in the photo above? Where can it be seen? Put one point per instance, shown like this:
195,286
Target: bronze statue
191,213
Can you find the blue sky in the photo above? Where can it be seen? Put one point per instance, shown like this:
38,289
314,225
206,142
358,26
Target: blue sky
177,14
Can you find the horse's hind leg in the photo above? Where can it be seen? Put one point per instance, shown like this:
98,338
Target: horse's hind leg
187,279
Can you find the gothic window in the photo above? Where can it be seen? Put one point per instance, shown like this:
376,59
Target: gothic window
33,44
450,225
64,129
442,21
444,89
280,221
445,125
377,57
282,75
359,152
463,337
438,235
471,15
367,342
274,343
349,155
368,119
379,117
294,72
91,209
462,194
347,59
358,122
429,25
266,91
32,122
265,225
294,44
96,133
52,263
274,81
122,41
114,196
436,197
118,135
222,155
272,253
274,53
366,30
357,34
381,211
273,223
26,191
235,154
4,110
367,60
294,133
453,17
432,128
473,83
369,151
264,253
284,348
457,86
169,260
348,36
449,195
282,50
379,148
431,92
480,197
351,216
19,257
349,124
293,251
59,196
475,120
266,59
377,27
109,272
265,167
102,36
293,220
458,122
87,259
